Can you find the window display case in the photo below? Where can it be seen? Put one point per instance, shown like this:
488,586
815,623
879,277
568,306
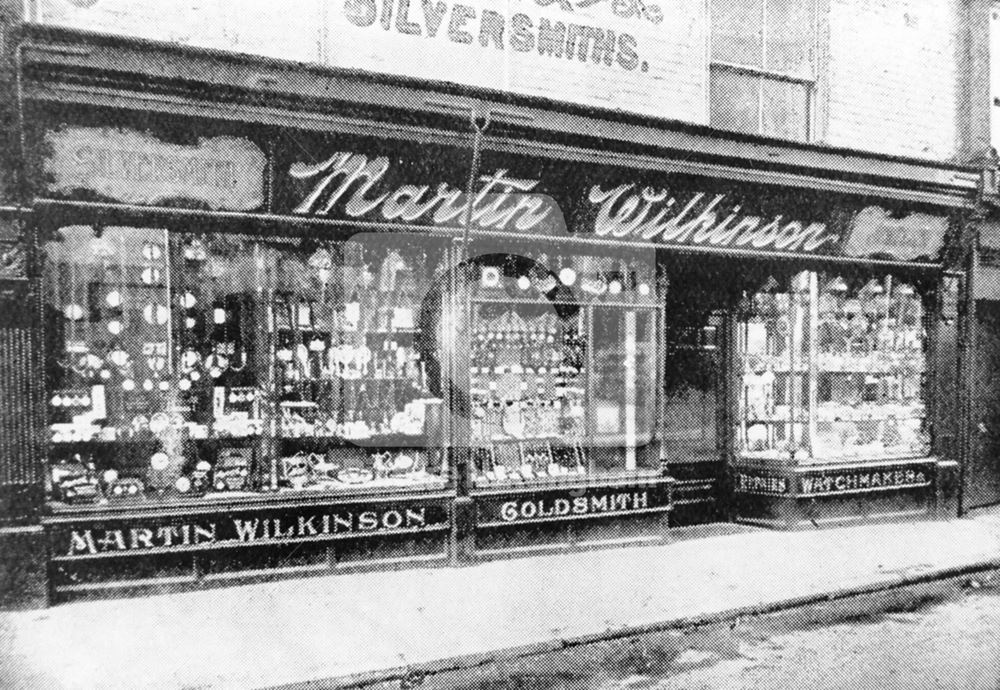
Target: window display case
833,369
563,369
183,364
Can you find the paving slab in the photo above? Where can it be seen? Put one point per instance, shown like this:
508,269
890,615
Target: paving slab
358,626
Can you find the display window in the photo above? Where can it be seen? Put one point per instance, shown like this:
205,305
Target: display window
182,364
833,367
563,368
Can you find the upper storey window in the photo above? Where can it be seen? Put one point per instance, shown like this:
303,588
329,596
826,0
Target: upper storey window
763,67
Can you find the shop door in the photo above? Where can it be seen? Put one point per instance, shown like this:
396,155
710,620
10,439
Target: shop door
982,475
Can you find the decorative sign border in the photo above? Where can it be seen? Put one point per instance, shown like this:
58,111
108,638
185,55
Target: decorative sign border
224,173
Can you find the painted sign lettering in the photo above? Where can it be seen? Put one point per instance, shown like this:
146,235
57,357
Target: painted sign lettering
512,511
761,483
626,9
573,504
500,203
491,29
130,167
656,215
351,184
875,232
849,482
630,55
83,541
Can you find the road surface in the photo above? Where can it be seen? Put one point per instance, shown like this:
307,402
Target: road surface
951,643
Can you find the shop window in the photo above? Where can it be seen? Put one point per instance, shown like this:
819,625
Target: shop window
762,72
563,369
833,368
183,365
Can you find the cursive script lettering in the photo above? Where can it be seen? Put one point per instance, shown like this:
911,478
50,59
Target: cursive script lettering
651,215
500,203
353,184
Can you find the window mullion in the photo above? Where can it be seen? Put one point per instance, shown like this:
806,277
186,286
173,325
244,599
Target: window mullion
763,35
763,65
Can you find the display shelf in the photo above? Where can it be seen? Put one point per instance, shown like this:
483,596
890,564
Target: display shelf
377,441
848,366
182,505
845,415
584,299
611,479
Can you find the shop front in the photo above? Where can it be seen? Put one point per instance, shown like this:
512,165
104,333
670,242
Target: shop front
280,340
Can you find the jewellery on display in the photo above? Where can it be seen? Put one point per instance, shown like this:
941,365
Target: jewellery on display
74,312
242,395
159,461
323,469
197,482
296,470
195,250
189,360
152,251
87,365
232,469
128,487
355,475
75,481
151,276
155,314
69,398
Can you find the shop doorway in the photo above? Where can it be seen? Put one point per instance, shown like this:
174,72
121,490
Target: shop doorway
982,474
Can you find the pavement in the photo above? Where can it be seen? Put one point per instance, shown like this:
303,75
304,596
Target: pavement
363,628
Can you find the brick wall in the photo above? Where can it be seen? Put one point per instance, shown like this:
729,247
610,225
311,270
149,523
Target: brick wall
894,77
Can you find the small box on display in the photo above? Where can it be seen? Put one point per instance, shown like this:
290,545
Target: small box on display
124,489
232,469
75,482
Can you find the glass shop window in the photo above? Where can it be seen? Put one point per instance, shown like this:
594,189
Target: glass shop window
186,365
563,368
762,74
833,368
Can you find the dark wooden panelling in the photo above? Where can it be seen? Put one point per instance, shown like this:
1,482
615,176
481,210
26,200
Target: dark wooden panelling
20,406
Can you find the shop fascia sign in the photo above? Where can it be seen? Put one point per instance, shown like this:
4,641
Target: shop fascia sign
863,480
875,231
83,541
592,502
137,168
351,184
751,482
